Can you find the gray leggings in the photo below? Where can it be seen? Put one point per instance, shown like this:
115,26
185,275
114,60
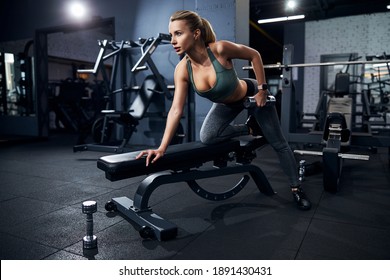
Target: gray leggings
217,127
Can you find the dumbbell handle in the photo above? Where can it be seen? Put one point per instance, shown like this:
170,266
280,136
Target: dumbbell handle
89,225
90,240
250,102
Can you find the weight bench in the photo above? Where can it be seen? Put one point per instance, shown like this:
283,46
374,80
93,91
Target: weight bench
181,163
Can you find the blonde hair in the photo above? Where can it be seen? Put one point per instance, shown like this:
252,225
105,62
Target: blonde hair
194,22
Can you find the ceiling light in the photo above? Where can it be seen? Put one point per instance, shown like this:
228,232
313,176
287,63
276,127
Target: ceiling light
291,4
261,21
77,10
388,7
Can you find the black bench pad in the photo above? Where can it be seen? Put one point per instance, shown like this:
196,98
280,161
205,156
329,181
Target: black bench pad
177,157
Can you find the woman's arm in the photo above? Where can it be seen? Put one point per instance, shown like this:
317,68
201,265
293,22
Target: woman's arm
174,115
177,107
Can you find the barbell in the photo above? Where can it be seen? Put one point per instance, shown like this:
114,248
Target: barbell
280,66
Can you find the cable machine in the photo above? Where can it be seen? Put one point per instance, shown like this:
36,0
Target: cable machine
129,112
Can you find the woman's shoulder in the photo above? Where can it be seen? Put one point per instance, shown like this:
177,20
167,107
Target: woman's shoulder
181,68
182,64
219,47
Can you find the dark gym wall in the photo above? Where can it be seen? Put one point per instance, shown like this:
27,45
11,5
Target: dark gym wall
133,18
23,17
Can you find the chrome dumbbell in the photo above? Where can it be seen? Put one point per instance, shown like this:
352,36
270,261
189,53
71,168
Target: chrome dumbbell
302,170
250,102
90,240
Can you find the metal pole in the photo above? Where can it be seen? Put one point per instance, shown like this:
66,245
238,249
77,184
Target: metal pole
286,66
288,98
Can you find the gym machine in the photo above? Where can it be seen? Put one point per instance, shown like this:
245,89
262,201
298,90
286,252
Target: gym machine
336,135
69,104
128,116
377,88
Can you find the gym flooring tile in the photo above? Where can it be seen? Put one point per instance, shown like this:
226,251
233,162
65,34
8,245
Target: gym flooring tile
248,232
19,210
43,184
344,241
16,248
365,208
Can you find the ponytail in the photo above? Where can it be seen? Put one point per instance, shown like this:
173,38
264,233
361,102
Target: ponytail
194,22
208,34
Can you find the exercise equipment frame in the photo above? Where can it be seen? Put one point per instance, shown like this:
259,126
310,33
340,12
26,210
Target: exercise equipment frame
181,164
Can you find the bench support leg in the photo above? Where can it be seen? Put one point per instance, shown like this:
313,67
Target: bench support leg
152,225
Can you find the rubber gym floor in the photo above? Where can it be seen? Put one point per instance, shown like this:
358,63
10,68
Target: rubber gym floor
43,185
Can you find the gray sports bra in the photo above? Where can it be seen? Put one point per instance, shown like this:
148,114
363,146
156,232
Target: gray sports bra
226,81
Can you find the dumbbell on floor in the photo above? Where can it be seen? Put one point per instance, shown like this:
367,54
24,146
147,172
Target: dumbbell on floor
90,240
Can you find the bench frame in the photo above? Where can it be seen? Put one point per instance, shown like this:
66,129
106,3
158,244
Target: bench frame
138,211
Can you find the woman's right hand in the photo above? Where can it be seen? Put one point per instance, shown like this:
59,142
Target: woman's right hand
151,155
261,98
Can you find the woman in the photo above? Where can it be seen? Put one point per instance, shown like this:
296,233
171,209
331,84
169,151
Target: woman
207,66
